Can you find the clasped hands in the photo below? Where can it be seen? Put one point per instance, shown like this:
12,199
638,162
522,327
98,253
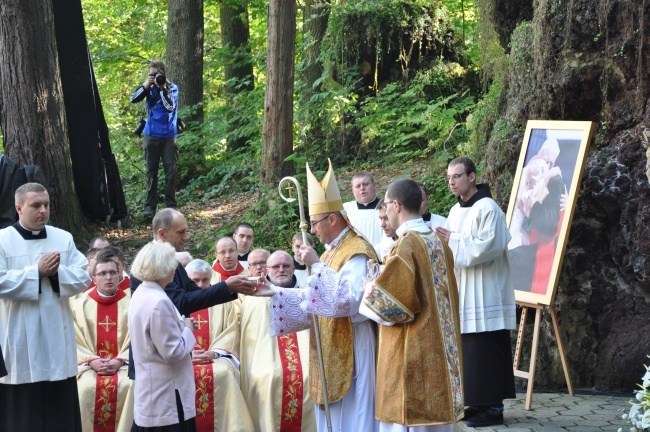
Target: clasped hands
105,367
48,265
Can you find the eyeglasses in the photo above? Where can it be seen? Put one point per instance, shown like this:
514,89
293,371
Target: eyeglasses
314,223
104,274
227,252
283,266
391,201
455,176
261,264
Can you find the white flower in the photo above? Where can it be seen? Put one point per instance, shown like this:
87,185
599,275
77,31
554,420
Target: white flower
646,379
639,396
645,422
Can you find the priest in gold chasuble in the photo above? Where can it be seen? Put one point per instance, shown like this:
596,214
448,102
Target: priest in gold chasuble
415,301
333,293
274,369
220,405
100,322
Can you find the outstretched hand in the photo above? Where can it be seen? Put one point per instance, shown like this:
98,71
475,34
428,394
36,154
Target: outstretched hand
264,289
240,284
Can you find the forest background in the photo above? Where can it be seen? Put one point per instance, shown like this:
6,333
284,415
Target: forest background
398,88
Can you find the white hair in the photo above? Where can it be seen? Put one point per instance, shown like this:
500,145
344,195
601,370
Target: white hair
154,262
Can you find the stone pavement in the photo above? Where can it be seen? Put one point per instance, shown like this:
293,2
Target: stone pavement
559,412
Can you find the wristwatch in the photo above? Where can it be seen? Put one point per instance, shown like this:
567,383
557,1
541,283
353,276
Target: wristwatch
216,355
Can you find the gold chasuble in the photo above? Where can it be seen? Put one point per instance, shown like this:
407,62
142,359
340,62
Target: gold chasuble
102,332
336,334
419,357
274,373
220,405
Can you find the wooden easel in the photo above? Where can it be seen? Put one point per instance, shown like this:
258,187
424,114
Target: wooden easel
530,374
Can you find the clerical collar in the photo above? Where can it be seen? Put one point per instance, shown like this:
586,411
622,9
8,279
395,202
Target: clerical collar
338,238
298,265
482,191
99,293
369,206
412,225
29,234
244,257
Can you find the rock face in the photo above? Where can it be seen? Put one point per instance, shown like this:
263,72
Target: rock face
589,60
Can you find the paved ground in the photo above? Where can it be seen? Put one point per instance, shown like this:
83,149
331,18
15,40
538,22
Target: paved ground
557,412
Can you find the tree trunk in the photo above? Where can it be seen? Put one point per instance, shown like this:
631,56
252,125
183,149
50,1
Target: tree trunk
315,15
33,115
277,134
235,37
185,53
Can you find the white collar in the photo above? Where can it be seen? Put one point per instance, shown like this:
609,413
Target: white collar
338,238
412,225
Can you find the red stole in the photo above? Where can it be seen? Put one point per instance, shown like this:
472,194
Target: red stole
225,274
203,375
107,346
292,379
124,283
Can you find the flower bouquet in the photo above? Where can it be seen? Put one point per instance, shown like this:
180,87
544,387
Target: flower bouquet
639,415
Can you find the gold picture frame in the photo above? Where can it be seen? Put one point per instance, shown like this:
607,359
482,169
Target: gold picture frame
542,202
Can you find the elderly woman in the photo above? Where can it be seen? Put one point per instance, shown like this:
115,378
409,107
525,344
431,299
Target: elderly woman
161,341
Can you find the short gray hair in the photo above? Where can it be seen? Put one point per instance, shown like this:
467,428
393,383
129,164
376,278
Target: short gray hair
22,191
198,266
163,220
155,261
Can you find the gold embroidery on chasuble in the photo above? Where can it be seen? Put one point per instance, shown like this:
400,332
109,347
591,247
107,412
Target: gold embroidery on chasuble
426,387
106,387
203,374
336,334
292,388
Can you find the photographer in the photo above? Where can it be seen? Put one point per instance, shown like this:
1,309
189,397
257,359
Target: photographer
160,132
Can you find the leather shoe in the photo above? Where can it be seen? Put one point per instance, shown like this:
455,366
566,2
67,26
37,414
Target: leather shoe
470,412
148,213
484,418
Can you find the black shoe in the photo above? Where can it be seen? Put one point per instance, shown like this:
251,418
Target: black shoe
148,213
471,412
484,418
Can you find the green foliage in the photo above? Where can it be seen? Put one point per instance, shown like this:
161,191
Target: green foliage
405,121
413,102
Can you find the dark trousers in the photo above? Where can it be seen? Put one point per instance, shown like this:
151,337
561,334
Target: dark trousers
488,376
155,149
45,406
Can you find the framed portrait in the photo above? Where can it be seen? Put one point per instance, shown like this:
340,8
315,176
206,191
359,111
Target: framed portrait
542,201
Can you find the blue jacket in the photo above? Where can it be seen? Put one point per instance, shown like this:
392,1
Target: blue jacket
161,110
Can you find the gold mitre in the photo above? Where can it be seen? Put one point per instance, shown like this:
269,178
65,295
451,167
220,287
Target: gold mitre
324,196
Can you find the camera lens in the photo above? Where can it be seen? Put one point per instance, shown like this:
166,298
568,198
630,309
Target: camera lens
160,79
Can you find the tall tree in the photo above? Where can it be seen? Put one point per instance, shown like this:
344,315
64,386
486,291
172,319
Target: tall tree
235,37
33,115
315,16
185,52
277,133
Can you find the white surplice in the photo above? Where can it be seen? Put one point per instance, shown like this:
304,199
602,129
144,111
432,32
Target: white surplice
335,294
365,222
479,241
36,329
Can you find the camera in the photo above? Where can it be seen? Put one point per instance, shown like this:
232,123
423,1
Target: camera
160,78
140,127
